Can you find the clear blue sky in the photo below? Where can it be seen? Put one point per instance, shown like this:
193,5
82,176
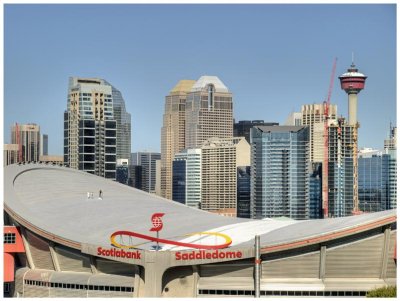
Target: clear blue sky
273,58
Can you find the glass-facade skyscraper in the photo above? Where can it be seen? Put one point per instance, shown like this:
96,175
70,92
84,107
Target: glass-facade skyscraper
279,172
243,192
377,176
373,182
123,119
92,126
315,191
44,145
186,188
179,181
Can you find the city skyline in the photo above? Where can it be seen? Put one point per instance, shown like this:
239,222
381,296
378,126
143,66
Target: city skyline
144,50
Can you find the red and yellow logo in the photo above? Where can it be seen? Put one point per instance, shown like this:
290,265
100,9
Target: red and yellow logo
157,226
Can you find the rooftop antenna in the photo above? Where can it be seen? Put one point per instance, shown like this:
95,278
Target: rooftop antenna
352,58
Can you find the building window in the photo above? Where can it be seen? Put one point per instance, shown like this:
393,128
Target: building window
7,287
9,238
211,91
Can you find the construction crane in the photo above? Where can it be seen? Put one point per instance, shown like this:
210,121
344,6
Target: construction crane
327,104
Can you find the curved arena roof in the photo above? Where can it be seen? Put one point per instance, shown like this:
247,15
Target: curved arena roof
52,201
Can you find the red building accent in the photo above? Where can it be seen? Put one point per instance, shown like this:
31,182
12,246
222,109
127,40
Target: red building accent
12,244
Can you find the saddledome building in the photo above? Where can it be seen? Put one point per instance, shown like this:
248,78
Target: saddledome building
63,240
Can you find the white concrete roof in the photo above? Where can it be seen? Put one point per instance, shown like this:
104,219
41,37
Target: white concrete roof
53,200
205,80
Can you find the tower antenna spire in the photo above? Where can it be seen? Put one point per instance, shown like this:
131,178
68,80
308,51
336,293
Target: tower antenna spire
352,58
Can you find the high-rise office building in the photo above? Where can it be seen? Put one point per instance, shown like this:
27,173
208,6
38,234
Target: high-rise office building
173,132
147,160
220,159
242,128
123,121
279,172
44,145
94,121
391,142
374,181
27,136
186,188
135,176
390,148
10,154
315,191
209,112
313,116
243,192
179,181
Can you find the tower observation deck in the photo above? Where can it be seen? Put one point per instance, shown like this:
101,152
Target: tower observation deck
352,82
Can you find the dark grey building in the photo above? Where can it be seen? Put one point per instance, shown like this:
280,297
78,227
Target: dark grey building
315,191
122,171
179,181
242,128
44,145
135,176
243,192
147,161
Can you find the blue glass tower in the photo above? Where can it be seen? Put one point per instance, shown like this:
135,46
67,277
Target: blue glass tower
243,192
374,182
279,172
315,191
179,181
